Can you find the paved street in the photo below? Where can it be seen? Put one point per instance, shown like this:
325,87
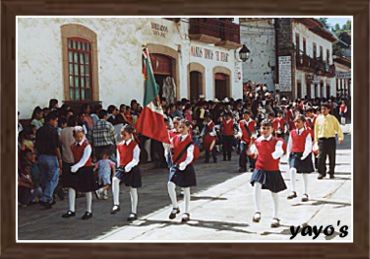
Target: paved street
221,209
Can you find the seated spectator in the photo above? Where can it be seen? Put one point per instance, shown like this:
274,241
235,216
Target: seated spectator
37,117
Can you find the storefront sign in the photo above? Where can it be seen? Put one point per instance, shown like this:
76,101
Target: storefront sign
285,73
343,75
159,30
200,52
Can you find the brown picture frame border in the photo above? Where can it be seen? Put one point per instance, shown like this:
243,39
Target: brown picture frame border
358,249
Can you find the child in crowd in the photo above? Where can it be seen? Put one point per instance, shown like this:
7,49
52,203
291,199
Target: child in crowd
300,158
227,129
246,132
105,168
29,189
128,171
209,138
268,150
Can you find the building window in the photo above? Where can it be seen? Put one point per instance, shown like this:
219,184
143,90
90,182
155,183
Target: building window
328,56
297,42
321,53
79,69
304,46
314,50
80,63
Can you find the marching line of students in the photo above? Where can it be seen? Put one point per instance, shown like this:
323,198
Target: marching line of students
263,152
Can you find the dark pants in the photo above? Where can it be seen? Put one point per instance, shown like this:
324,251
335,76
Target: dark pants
243,158
213,155
227,145
327,147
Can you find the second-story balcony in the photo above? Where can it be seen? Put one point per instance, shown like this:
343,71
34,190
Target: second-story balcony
314,65
215,31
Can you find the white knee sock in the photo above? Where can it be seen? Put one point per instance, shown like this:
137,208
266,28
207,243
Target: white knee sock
134,199
293,173
275,199
257,196
305,183
88,201
171,187
71,199
115,190
187,199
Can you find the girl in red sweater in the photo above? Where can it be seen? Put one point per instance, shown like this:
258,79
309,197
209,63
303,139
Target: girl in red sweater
267,150
128,172
80,177
300,156
184,174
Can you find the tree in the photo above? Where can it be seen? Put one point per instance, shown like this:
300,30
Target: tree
324,21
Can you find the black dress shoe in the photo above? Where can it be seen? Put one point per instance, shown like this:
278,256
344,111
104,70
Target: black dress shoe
174,212
132,217
304,197
275,223
87,215
331,176
185,218
320,177
292,195
69,214
115,209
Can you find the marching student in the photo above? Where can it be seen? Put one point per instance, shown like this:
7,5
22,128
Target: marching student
128,171
227,129
310,125
80,177
182,173
300,158
246,131
268,150
209,138
279,125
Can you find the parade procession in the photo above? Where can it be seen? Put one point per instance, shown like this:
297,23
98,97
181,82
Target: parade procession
184,129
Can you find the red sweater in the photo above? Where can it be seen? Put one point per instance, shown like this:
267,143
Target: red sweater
126,152
78,151
278,124
243,126
178,146
228,128
264,160
298,141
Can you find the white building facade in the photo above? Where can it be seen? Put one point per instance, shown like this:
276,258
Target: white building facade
100,60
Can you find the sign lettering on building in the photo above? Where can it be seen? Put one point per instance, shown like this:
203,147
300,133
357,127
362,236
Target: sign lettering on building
159,30
343,75
209,54
285,73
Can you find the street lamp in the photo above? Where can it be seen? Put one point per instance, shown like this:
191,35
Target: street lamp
244,53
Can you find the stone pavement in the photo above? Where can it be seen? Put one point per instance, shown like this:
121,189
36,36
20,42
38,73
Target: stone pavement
224,211
221,209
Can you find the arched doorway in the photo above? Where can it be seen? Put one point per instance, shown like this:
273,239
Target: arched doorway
222,83
196,82
163,67
222,86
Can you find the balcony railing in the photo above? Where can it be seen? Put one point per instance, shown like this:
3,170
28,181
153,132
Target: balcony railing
209,30
317,66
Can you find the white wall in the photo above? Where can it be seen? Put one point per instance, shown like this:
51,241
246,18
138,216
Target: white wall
259,37
119,42
311,38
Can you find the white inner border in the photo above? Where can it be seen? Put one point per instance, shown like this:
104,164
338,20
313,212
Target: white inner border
350,17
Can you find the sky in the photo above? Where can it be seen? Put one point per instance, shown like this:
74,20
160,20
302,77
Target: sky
333,21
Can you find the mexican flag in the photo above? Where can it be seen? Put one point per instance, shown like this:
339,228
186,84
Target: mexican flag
151,120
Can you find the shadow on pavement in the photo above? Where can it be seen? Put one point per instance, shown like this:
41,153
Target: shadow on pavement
217,225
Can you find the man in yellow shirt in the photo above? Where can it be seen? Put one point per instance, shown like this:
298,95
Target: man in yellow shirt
327,127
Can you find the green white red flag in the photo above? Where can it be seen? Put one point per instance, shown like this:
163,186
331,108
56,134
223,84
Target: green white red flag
151,119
